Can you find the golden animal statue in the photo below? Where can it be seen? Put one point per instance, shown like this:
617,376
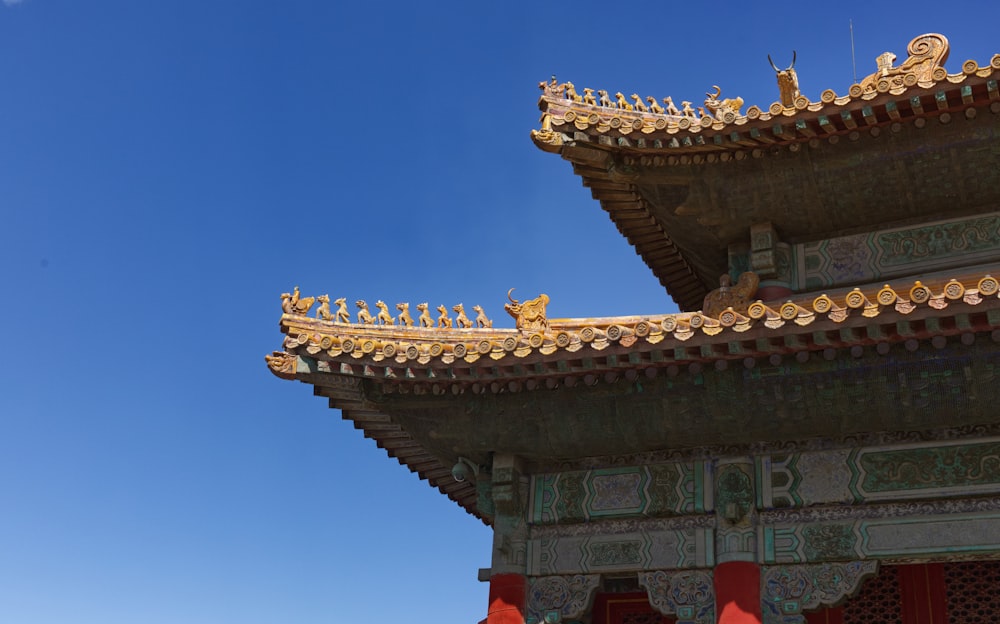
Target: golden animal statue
425,316
461,320
718,107
383,317
605,100
570,91
688,111
727,295
443,319
621,102
323,311
530,314
364,316
292,303
404,314
549,88
788,82
637,103
588,97
342,315
671,108
282,364
654,107
481,320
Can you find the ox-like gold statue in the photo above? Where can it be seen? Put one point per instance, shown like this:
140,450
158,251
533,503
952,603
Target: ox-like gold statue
530,314
788,82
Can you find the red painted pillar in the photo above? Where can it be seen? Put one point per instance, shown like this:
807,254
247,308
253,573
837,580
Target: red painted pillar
737,593
506,599
922,592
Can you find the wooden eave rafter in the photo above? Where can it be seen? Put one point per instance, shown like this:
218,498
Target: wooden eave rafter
397,443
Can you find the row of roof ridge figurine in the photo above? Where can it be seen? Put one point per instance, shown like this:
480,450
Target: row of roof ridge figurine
529,314
729,299
293,303
788,86
926,52
715,107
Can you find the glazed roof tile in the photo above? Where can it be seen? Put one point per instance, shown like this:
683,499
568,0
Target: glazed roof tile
427,357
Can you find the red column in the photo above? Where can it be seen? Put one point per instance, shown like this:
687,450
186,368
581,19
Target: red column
737,593
922,593
506,599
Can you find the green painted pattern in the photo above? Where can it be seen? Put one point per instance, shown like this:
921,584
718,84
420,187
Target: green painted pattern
906,247
572,494
781,544
888,253
734,495
654,490
956,466
828,542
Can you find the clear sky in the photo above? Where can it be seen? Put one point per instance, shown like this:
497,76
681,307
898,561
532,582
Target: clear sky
167,169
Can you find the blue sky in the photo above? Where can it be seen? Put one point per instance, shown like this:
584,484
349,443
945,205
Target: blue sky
167,169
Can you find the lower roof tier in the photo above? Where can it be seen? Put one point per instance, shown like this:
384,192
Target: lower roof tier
582,392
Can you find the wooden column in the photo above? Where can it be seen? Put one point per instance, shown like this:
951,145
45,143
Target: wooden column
736,577
737,593
508,582
922,590
506,599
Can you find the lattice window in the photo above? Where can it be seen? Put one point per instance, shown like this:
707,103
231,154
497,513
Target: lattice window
973,591
878,602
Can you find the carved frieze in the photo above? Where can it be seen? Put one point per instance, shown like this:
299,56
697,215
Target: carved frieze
881,473
687,595
896,252
556,599
899,537
735,496
940,470
787,591
621,552
653,490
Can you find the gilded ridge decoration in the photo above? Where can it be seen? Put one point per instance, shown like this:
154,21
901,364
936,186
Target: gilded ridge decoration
736,298
381,339
925,64
619,115
282,364
293,303
530,314
788,82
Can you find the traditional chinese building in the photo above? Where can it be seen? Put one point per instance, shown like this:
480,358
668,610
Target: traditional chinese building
817,439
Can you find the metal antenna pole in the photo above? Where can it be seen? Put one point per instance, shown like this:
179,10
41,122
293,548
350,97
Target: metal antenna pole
854,64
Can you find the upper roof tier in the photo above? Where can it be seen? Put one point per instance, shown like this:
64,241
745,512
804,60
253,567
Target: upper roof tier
910,143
